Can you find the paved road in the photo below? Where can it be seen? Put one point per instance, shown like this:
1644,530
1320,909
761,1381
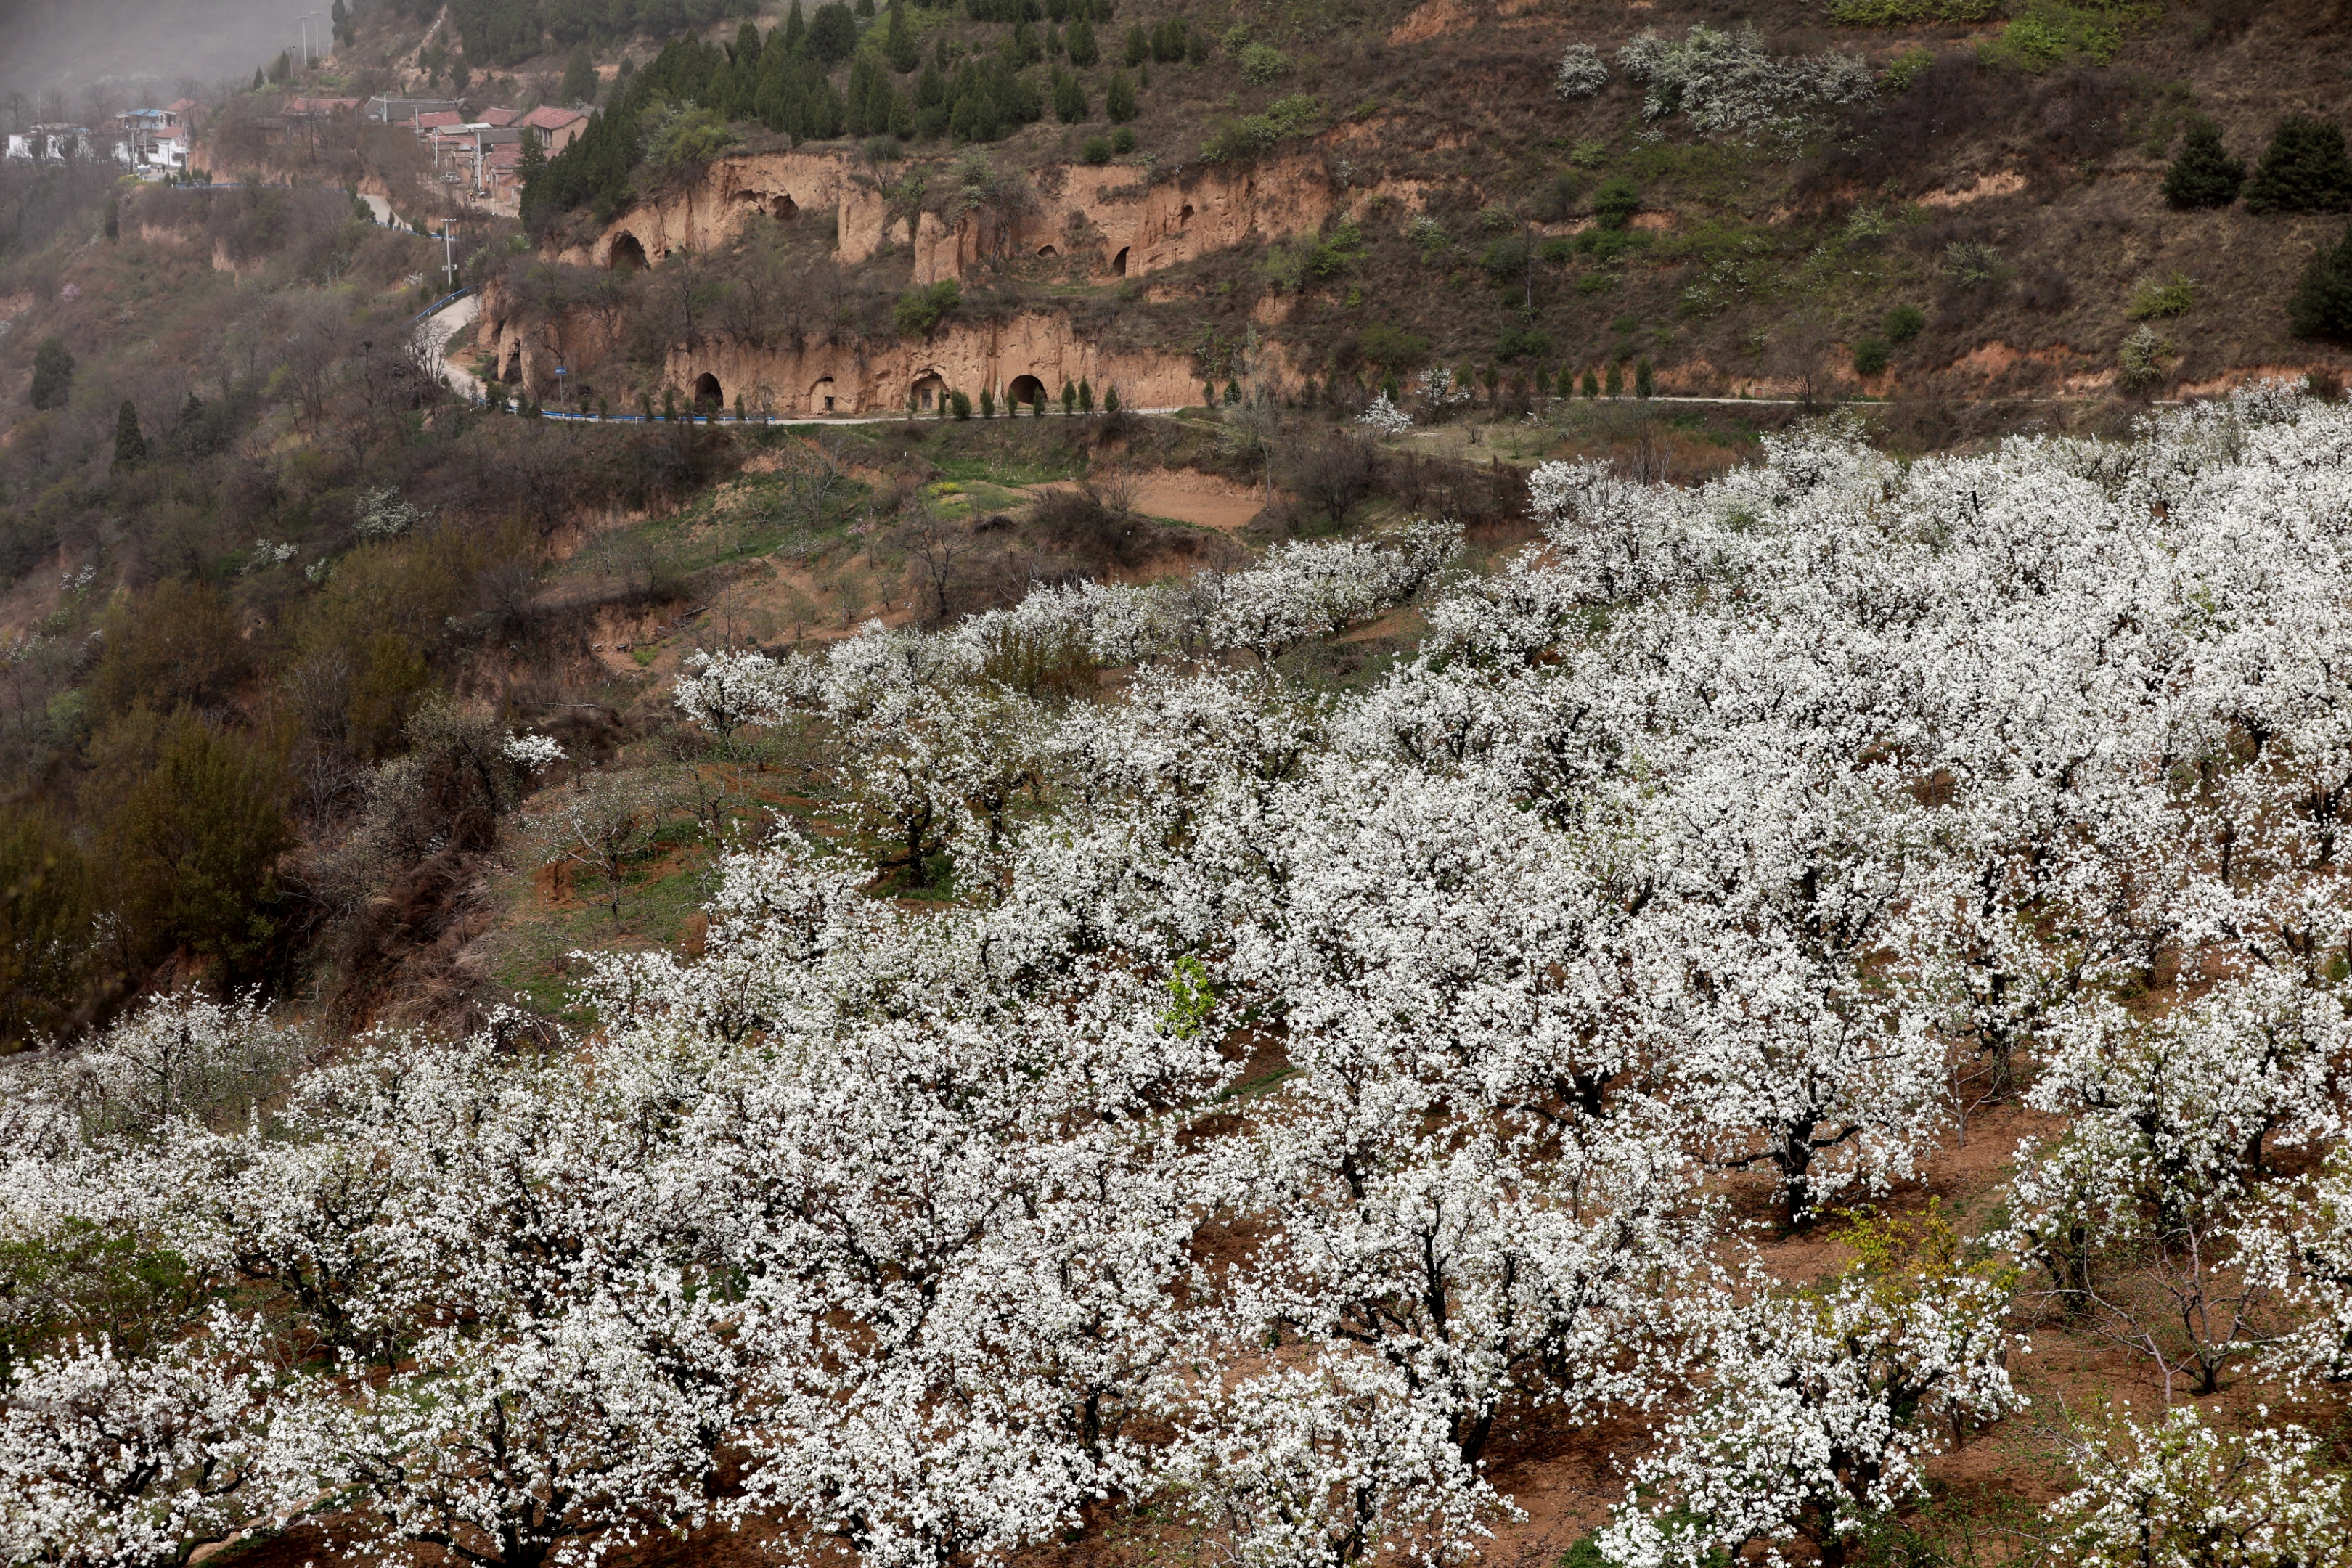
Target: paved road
432,337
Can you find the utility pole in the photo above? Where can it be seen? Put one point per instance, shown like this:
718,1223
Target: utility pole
448,256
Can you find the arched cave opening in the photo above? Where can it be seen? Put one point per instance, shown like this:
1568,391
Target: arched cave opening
1027,389
821,397
626,255
1047,250
707,394
1118,263
930,391
782,207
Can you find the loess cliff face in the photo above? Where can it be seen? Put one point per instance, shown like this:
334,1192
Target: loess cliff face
1108,214
1110,220
1016,358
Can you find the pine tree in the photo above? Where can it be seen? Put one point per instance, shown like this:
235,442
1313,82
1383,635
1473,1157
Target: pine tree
53,370
579,78
1138,47
1118,102
2303,170
2321,306
1592,382
1086,396
130,445
2204,174
1080,43
1612,386
987,404
1644,382
1069,396
795,30
898,46
1111,400
1069,98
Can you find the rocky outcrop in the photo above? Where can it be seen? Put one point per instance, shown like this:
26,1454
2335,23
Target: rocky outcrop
1110,214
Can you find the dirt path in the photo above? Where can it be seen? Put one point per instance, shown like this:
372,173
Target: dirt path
1185,495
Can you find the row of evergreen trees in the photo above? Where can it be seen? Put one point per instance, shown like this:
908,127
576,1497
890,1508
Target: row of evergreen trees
783,81
2303,169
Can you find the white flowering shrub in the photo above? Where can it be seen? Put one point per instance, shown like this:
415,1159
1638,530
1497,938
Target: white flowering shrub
1581,72
1383,418
533,753
1731,87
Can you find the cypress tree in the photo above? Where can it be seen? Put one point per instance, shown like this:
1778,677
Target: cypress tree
1612,386
53,370
1111,400
2303,170
130,445
1080,43
2204,174
1645,384
1069,396
2321,306
747,47
1118,102
579,78
1592,382
1138,47
795,29
899,45
1086,396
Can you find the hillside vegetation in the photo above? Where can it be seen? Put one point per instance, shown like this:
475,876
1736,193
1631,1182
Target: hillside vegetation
1659,888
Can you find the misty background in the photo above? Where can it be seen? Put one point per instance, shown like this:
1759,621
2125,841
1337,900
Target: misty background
66,46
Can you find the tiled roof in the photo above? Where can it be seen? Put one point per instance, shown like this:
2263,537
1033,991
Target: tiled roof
547,117
500,117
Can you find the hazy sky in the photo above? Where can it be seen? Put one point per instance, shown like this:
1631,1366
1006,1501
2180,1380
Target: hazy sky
67,44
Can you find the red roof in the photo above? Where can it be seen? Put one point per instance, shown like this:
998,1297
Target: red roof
498,117
547,117
502,158
437,118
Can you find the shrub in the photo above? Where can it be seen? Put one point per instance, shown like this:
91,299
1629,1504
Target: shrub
1260,63
1971,264
1901,13
1558,249
987,404
2142,360
1644,382
2321,305
2304,170
1870,357
1247,137
1730,87
1558,198
1520,341
2153,298
2204,174
1122,140
1907,68
2049,33
960,403
919,310
1580,73
1905,322
1616,202
1095,150
1390,348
